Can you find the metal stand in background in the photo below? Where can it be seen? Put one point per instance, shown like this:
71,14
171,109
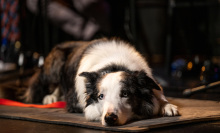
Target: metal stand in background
188,92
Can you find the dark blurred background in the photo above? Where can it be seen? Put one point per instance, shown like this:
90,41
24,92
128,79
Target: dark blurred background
179,38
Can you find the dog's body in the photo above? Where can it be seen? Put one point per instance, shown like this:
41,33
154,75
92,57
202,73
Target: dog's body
108,80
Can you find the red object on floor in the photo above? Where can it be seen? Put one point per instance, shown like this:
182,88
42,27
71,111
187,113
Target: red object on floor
15,103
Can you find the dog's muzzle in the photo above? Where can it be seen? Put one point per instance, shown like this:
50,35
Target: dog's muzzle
111,119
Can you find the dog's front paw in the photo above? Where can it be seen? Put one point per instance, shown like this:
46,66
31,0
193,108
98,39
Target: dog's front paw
170,110
48,99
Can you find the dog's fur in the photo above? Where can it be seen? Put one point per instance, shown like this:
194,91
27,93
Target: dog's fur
107,79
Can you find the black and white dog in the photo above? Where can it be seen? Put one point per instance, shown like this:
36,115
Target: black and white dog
106,79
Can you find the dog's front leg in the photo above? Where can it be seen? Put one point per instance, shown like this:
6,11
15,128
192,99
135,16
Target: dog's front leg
166,108
48,99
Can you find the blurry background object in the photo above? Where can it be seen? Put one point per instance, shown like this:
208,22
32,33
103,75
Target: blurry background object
10,34
81,19
64,20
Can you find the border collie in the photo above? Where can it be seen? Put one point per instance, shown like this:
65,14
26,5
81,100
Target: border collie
106,79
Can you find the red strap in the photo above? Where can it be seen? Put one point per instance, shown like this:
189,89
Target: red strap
15,103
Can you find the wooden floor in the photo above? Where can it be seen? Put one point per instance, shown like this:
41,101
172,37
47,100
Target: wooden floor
18,126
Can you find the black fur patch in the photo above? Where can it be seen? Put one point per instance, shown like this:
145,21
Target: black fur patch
113,68
138,87
91,89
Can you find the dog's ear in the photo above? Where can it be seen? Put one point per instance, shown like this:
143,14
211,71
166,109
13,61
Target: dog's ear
146,83
91,79
90,76
91,83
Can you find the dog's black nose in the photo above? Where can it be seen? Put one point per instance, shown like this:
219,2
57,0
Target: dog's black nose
111,118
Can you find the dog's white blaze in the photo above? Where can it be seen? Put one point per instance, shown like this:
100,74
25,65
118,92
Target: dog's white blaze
110,86
102,55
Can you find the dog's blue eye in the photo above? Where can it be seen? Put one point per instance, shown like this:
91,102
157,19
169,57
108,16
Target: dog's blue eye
101,96
124,94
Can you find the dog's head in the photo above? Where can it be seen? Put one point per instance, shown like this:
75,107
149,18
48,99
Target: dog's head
118,97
